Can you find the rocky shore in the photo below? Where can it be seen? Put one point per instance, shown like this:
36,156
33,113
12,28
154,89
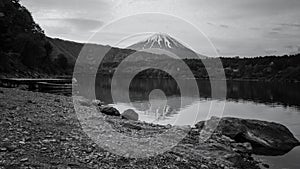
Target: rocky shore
41,130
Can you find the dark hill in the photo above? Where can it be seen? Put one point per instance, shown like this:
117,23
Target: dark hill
24,49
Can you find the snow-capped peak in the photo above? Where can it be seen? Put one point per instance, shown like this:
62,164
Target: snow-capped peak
161,40
166,43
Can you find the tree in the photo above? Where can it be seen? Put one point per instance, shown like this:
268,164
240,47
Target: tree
48,48
4,62
62,61
32,53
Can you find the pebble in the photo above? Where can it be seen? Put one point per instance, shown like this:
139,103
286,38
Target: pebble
63,139
266,165
89,150
22,142
11,148
24,160
204,166
44,148
178,159
49,140
3,149
30,101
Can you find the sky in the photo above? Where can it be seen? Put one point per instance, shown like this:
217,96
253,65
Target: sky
230,27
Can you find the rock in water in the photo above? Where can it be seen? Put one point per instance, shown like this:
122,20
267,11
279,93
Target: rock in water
266,138
130,115
110,111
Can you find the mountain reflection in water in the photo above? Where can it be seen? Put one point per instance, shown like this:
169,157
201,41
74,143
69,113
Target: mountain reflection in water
270,93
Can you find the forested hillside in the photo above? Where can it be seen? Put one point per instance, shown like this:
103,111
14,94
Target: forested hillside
268,68
25,50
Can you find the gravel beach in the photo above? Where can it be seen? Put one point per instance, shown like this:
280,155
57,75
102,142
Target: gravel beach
40,130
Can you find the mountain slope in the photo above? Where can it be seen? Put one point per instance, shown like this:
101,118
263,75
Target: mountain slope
24,50
162,43
69,49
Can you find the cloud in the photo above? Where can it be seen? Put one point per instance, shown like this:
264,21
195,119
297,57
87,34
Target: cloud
77,24
290,25
270,51
251,26
282,37
255,28
224,26
218,25
209,23
265,8
293,49
289,47
277,29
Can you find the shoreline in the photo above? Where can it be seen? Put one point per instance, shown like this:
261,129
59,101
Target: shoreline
183,78
42,130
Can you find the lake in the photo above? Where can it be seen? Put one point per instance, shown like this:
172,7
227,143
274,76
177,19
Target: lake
160,101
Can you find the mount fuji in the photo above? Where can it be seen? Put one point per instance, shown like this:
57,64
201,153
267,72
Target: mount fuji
161,43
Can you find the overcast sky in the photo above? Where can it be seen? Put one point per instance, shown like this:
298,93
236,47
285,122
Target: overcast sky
235,27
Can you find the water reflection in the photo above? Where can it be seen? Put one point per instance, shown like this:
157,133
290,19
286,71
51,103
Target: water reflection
284,94
159,100
168,105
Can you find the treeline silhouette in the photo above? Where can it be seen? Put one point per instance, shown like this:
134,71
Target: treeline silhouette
25,50
268,68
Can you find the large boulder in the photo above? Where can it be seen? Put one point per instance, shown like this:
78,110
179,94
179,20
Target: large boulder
266,138
130,115
110,111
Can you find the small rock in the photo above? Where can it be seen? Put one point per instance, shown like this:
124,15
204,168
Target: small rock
44,148
49,136
89,150
5,139
29,120
204,166
63,139
84,103
110,111
229,156
49,140
132,126
55,162
97,102
266,165
130,115
11,147
242,147
21,142
168,126
30,101
3,149
24,160
57,100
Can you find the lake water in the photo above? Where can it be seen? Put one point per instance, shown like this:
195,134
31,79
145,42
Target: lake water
160,101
